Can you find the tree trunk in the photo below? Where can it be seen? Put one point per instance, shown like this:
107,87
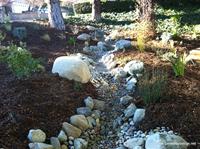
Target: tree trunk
145,10
55,15
96,10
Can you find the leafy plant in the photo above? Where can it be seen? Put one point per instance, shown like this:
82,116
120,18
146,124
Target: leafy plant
20,61
178,64
152,85
72,41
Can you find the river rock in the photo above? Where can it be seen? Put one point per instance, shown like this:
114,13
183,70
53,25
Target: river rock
91,121
134,142
80,143
99,104
130,110
62,136
89,102
55,143
40,146
134,67
131,84
125,99
122,44
79,121
36,135
84,111
139,115
71,130
72,68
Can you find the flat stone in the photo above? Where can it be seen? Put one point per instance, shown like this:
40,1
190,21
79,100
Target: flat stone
84,111
79,121
36,135
71,130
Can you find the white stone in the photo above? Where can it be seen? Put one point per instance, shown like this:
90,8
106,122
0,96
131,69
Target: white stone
139,115
71,130
62,136
119,72
84,37
80,143
40,146
165,141
134,67
91,28
121,44
79,121
89,102
130,110
36,135
134,142
72,68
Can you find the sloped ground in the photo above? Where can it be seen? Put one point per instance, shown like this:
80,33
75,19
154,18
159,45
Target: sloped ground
179,108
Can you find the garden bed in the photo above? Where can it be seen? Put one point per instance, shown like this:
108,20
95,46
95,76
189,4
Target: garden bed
179,106
43,100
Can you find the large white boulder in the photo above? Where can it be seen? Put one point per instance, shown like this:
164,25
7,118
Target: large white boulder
72,68
165,141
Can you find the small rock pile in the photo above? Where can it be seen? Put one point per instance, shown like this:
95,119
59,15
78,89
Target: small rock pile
82,128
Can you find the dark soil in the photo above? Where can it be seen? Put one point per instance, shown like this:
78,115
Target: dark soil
42,101
179,109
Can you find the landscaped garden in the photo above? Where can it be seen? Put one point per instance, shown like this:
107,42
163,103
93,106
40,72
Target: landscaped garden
110,83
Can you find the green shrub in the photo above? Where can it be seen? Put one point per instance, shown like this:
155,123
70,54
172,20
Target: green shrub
178,64
152,85
20,61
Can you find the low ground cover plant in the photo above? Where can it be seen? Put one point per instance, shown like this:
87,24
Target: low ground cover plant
20,61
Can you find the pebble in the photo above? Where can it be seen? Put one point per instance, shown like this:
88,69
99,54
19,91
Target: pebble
84,111
62,136
89,102
36,135
71,130
55,143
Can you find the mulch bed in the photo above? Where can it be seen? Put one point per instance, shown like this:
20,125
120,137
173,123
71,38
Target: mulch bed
179,109
42,101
